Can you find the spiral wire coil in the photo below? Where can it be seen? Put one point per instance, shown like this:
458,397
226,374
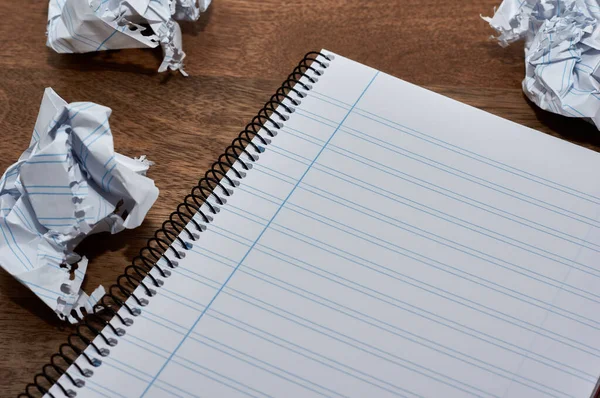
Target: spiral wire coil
217,184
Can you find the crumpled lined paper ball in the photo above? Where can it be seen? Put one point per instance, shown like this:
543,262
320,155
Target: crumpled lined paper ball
80,26
69,183
562,52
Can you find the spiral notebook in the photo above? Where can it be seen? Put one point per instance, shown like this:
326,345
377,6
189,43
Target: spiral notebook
364,238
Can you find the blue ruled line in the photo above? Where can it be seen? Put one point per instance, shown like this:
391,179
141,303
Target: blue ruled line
417,308
440,190
388,144
441,269
257,239
301,348
262,362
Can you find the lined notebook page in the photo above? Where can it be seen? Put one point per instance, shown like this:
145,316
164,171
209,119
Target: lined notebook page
389,242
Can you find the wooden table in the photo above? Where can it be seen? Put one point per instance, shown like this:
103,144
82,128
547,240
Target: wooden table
238,54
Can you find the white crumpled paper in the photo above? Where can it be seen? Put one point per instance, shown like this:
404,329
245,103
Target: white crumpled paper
68,184
80,26
562,52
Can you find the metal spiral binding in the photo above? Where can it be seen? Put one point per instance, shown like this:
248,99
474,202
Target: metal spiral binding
215,184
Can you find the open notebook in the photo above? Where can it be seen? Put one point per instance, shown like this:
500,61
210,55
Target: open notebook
376,240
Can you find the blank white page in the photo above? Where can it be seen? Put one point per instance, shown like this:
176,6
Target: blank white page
389,242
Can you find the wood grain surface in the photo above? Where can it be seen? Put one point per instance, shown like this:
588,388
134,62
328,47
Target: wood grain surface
238,54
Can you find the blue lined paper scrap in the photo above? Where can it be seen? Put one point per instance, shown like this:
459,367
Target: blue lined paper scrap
65,186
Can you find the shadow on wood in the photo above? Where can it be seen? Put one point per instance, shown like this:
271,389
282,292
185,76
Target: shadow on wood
193,28
112,60
26,299
96,245
576,130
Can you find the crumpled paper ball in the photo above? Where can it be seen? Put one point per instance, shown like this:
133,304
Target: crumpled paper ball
562,52
69,183
80,26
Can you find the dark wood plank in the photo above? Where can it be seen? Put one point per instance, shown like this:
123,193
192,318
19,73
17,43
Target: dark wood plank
238,53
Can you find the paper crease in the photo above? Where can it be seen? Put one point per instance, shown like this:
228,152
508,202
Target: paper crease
67,185
80,26
562,52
